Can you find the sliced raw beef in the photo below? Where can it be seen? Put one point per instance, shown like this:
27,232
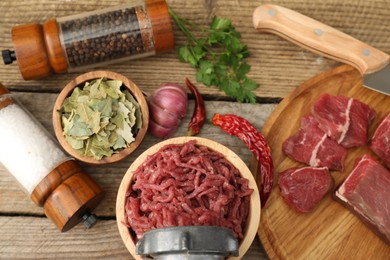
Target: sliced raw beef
344,119
366,192
380,143
313,147
303,188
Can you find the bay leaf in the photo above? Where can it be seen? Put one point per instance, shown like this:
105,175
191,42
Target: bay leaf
130,98
123,109
138,114
104,121
89,117
131,114
118,120
81,99
119,143
99,148
96,91
110,127
112,139
104,106
67,124
74,143
71,101
126,133
112,87
79,128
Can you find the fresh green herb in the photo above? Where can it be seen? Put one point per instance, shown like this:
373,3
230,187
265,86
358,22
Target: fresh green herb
100,119
219,56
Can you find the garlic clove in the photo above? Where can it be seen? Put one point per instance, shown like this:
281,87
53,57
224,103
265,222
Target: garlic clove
160,131
172,100
162,116
173,86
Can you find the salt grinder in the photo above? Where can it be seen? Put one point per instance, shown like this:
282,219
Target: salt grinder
137,29
188,242
51,178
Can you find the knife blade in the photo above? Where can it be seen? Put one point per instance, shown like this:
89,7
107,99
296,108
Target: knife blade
324,40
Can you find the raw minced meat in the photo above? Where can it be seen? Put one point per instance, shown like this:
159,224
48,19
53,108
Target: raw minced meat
187,185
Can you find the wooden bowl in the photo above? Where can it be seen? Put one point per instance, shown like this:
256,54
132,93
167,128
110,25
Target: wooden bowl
254,204
80,81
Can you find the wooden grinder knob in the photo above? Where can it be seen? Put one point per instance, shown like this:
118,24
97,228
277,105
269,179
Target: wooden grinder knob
30,51
68,196
38,49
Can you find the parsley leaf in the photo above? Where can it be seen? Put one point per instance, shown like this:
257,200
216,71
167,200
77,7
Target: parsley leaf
218,55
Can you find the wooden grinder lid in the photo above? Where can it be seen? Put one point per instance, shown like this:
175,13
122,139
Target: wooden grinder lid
30,51
161,25
69,196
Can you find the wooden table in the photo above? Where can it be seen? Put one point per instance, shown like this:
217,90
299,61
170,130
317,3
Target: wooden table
277,65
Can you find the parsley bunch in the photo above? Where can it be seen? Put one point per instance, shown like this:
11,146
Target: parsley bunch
219,56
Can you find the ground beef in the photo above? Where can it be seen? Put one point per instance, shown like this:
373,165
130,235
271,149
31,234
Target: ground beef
187,185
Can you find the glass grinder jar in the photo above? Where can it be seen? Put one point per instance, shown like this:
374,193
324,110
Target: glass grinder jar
77,42
51,178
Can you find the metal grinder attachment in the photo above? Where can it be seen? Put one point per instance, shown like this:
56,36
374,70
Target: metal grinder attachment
188,242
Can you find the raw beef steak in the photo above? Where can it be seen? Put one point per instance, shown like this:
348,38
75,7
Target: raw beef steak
312,146
380,142
303,188
366,192
343,119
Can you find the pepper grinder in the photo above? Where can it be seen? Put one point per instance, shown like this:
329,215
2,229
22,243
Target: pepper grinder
134,30
51,178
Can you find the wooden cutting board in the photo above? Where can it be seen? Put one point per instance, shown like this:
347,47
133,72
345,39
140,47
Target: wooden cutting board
330,231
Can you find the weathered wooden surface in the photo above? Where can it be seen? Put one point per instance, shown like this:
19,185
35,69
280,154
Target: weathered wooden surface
277,65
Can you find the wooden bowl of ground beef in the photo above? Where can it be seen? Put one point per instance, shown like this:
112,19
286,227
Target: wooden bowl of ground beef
188,181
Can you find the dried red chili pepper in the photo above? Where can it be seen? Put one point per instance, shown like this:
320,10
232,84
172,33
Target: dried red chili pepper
199,115
255,141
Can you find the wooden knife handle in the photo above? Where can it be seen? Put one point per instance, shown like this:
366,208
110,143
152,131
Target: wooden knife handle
319,38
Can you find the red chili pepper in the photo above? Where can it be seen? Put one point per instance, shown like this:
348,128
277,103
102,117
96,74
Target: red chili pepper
255,141
199,115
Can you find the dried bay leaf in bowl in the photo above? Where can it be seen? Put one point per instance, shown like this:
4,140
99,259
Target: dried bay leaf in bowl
99,119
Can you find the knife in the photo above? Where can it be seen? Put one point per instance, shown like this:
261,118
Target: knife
319,38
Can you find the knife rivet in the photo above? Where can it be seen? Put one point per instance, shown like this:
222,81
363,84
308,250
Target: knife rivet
272,12
366,52
318,31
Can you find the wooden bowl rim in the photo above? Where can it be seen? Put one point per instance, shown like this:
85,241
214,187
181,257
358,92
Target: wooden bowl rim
135,91
254,204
